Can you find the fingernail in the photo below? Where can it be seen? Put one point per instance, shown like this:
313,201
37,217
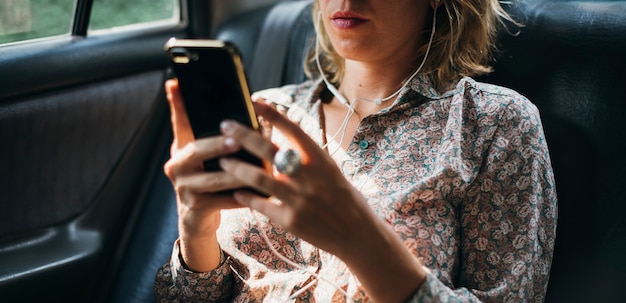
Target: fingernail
230,144
228,127
224,163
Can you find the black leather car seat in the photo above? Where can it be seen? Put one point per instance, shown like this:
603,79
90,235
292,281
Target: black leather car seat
569,60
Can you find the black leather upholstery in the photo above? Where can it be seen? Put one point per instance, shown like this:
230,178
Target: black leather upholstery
569,59
150,245
245,30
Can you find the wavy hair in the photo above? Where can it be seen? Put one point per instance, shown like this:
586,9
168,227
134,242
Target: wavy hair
464,41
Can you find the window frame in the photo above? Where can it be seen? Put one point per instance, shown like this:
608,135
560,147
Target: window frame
83,56
82,14
81,17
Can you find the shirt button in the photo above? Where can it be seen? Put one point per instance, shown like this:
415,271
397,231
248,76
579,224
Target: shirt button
364,144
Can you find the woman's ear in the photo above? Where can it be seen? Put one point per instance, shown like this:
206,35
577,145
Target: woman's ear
436,3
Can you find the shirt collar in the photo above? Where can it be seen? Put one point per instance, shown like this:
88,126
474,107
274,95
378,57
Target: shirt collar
423,86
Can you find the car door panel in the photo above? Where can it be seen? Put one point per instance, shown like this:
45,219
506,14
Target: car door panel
63,139
83,132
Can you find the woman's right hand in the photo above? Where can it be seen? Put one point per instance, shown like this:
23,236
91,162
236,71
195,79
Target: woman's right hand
198,205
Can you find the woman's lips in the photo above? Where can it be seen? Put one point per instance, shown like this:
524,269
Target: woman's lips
347,23
347,20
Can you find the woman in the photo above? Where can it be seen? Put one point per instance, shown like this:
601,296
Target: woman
409,181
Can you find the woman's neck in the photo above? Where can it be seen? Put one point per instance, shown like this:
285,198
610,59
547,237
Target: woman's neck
364,81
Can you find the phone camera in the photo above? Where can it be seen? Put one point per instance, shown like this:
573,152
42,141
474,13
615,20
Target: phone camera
183,56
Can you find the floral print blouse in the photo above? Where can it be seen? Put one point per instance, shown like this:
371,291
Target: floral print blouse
463,177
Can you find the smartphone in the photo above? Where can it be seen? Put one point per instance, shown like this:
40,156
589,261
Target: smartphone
213,86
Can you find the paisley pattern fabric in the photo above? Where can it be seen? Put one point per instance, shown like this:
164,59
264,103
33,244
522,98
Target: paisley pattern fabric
463,177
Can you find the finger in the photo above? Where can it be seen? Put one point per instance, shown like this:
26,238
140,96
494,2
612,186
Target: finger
180,122
255,177
207,201
209,182
274,211
258,98
290,130
264,125
191,157
251,140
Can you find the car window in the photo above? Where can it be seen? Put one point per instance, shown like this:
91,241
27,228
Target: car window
22,20
108,14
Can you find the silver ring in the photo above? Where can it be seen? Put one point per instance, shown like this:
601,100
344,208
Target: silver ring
287,161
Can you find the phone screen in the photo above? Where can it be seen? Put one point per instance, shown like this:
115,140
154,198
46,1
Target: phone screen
213,87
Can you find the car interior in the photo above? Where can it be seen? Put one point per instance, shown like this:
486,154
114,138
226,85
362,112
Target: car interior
87,215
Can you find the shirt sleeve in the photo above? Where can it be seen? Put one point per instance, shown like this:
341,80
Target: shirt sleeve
175,283
508,218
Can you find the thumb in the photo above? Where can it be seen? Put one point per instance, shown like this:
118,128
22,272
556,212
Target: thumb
180,122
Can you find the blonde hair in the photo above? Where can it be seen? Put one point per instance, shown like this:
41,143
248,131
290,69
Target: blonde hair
465,37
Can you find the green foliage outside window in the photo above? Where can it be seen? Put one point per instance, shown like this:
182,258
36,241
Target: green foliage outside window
31,19
112,13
